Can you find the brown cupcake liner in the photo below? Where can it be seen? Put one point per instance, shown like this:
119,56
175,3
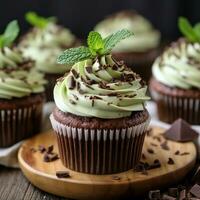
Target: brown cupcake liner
99,151
171,107
18,123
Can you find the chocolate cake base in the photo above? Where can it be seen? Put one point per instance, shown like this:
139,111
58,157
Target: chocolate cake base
140,62
99,146
20,118
174,103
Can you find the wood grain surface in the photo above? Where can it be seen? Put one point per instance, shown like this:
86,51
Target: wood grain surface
84,186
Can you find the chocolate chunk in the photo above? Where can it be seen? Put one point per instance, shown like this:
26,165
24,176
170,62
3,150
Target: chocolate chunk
41,148
62,174
173,192
151,151
182,194
177,152
50,149
170,161
115,177
195,190
154,194
164,146
72,83
50,157
167,197
181,131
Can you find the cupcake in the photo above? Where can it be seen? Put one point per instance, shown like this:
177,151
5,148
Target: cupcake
175,85
138,51
43,43
100,118
21,92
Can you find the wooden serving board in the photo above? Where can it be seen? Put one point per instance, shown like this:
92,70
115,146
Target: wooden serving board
85,186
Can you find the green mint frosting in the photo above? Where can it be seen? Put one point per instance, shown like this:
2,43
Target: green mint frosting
179,65
44,45
101,88
145,36
18,77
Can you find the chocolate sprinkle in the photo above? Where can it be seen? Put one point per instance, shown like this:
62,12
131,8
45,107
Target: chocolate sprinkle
177,152
170,161
164,146
41,148
50,157
50,149
184,153
63,174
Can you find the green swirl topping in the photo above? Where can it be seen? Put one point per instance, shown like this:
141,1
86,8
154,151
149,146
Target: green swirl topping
102,88
44,45
146,37
179,65
97,85
18,77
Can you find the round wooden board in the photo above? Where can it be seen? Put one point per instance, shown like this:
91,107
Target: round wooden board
85,186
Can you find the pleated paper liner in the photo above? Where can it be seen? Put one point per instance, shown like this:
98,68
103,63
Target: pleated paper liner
99,151
20,122
171,108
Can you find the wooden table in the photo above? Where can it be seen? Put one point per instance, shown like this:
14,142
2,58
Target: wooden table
14,186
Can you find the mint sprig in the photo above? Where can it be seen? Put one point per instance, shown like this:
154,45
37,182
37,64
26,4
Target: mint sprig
10,34
190,32
97,46
38,21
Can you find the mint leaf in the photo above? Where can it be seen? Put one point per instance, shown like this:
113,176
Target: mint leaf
73,55
113,39
11,33
38,21
197,30
187,29
95,42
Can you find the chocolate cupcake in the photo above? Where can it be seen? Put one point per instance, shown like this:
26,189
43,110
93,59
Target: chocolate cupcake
43,43
100,119
21,92
175,85
139,51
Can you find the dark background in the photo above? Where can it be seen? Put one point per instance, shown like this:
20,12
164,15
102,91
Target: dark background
81,15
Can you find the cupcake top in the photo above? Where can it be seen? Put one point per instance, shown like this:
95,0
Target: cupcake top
45,42
18,77
179,65
146,37
97,85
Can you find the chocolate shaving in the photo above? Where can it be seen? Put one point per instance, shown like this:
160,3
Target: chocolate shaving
170,161
74,72
50,157
50,149
177,152
63,174
72,83
151,151
164,146
41,148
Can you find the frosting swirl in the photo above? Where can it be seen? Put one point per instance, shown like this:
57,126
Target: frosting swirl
179,65
103,88
44,45
18,78
145,37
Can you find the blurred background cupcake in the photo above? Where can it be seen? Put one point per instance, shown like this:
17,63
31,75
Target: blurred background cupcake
43,43
139,51
175,85
21,92
100,118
